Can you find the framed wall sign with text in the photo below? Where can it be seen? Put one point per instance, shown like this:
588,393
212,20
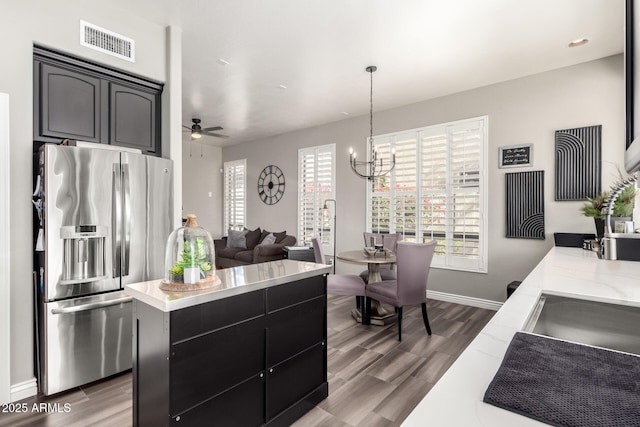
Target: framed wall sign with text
513,156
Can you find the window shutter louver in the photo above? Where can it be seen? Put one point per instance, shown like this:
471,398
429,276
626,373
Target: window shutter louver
316,172
235,195
436,191
466,153
404,192
382,208
433,177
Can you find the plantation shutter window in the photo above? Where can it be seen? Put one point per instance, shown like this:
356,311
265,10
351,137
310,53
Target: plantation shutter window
235,195
437,191
316,175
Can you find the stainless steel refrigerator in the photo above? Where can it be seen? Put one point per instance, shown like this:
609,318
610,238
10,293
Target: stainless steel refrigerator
105,216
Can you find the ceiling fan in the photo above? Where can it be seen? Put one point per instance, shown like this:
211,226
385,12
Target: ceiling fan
197,131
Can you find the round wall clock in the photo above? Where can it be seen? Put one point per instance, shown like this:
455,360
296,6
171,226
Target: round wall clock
271,185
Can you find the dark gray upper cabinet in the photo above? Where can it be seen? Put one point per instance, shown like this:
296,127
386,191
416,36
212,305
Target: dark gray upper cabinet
69,104
85,101
133,117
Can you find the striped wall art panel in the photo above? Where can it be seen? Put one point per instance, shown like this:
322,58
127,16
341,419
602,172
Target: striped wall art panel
525,204
578,163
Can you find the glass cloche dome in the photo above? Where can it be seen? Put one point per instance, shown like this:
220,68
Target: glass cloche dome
189,259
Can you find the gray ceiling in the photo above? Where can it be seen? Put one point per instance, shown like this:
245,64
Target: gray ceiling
319,49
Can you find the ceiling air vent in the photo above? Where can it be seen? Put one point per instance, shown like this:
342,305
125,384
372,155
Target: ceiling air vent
107,41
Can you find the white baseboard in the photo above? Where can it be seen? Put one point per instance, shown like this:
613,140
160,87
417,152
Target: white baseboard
461,299
24,389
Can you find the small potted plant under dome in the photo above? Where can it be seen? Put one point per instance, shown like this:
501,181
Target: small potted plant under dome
189,259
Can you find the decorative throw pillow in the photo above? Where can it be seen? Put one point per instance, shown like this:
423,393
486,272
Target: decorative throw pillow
269,239
237,239
279,236
253,237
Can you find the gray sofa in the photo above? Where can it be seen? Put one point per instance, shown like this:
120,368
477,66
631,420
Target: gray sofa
254,251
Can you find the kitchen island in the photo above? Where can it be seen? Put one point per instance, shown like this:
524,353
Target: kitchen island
250,351
456,399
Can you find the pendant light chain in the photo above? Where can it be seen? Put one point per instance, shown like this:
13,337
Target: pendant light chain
372,168
371,108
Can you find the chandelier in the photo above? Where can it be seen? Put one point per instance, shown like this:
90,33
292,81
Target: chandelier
374,167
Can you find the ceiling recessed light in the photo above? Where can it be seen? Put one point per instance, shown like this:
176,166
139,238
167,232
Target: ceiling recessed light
579,42
222,62
283,87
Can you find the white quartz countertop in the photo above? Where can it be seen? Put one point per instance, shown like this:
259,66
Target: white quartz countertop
456,399
234,281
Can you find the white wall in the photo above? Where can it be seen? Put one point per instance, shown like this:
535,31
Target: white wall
172,108
526,110
53,24
201,175
5,254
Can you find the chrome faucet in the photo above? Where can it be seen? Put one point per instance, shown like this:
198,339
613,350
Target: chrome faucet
615,192
609,243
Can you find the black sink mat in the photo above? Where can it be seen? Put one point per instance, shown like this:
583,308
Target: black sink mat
567,384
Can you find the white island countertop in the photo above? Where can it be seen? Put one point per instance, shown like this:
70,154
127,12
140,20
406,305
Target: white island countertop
234,281
456,399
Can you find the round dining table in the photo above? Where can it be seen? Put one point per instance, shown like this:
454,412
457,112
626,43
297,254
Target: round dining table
373,261
378,314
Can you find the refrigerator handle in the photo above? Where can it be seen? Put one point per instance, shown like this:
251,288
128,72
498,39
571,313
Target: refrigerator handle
91,306
126,188
116,218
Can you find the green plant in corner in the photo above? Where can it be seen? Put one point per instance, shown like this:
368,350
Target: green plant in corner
593,207
622,207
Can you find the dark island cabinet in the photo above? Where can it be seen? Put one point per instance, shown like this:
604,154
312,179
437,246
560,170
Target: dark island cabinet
254,359
79,100
296,348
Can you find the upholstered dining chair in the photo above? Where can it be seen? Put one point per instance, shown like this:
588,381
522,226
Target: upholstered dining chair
339,284
390,242
410,288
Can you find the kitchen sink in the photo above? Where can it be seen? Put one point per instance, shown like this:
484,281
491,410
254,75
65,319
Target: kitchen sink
612,326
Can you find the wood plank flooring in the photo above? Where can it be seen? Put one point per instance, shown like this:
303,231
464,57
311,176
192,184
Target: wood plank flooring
374,380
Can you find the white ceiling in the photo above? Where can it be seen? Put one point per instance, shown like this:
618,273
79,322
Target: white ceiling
319,49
